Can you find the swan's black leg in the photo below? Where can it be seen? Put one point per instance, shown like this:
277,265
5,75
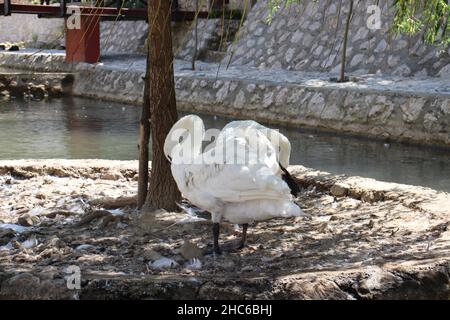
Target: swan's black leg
216,229
244,235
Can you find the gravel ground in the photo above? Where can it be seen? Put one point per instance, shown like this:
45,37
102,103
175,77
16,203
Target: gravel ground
365,240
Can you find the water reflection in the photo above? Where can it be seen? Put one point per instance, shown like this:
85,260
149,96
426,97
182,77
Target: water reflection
76,128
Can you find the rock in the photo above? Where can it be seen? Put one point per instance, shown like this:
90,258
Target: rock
316,105
145,222
412,109
357,59
381,109
332,111
111,175
445,72
55,92
54,214
16,89
190,250
2,47
92,216
239,103
49,273
113,203
6,235
40,196
38,92
393,61
350,203
368,196
401,44
289,55
28,220
13,48
402,71
228,264
30,287
151,255
378,281
382,45
431,123
339,190
56,242
445,107
268,99
311,289
296,37
247,269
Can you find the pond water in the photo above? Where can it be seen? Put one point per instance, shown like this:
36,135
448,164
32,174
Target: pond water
75,128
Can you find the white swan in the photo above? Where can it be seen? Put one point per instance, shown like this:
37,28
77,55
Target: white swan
279,141
230,187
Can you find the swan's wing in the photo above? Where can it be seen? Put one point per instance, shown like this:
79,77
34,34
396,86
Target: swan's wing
234,182
280,142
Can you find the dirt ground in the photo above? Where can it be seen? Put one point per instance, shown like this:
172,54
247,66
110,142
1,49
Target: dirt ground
365,240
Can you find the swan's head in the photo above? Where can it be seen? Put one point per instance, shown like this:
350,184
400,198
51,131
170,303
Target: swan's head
285,150
282,145
186,135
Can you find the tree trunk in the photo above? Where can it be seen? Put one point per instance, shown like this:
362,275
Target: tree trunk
144,137
163,192
194,55
344,49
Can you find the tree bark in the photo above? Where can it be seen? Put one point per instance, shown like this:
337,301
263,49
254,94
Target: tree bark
144,137
344,49
194,55
163,192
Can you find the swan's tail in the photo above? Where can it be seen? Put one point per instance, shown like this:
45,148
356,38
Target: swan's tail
290,209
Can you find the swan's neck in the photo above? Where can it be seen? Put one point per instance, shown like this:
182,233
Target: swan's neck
191,147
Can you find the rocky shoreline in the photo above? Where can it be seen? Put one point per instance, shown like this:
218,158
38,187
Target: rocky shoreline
366,240
36,86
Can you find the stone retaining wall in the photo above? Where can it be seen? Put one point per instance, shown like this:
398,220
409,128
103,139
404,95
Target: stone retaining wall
385,115
308,37
32,30
305,37
403,116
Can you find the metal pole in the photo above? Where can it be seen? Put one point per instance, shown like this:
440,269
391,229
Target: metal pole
7,8
119,4
63,9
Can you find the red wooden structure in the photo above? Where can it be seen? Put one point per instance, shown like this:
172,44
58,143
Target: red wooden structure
83,44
